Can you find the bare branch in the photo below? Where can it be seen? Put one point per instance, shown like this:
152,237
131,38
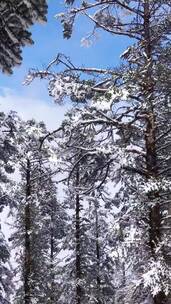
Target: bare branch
121,33
48,135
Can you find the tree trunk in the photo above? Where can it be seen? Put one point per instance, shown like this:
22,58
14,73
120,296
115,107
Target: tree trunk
97,255
52,256
27,257
78,243
150,140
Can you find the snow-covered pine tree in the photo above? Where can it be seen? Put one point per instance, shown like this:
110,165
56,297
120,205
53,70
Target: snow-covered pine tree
87,267
7,157
5,272
15,19
52,233
133,101
149,24
35,192
103,265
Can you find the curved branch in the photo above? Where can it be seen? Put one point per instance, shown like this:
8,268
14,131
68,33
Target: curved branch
47,135
120,33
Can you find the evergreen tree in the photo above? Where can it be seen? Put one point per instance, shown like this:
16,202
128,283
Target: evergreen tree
5,272
16,17
7,158
131,106
52,232
149,24
87,266
30,195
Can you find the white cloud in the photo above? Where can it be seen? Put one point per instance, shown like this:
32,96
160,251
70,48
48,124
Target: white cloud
32,107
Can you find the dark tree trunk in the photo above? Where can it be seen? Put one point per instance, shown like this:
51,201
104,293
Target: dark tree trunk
150,140
52,256
27,257
98,255
78,242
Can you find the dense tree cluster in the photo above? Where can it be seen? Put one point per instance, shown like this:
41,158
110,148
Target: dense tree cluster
92,203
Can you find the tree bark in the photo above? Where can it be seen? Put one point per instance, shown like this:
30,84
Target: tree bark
78,242
150,141
52,256
27,257
97,255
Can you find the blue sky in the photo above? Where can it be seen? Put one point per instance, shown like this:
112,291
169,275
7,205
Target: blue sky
33,101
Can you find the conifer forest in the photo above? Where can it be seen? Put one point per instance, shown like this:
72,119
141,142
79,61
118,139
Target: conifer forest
89,202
